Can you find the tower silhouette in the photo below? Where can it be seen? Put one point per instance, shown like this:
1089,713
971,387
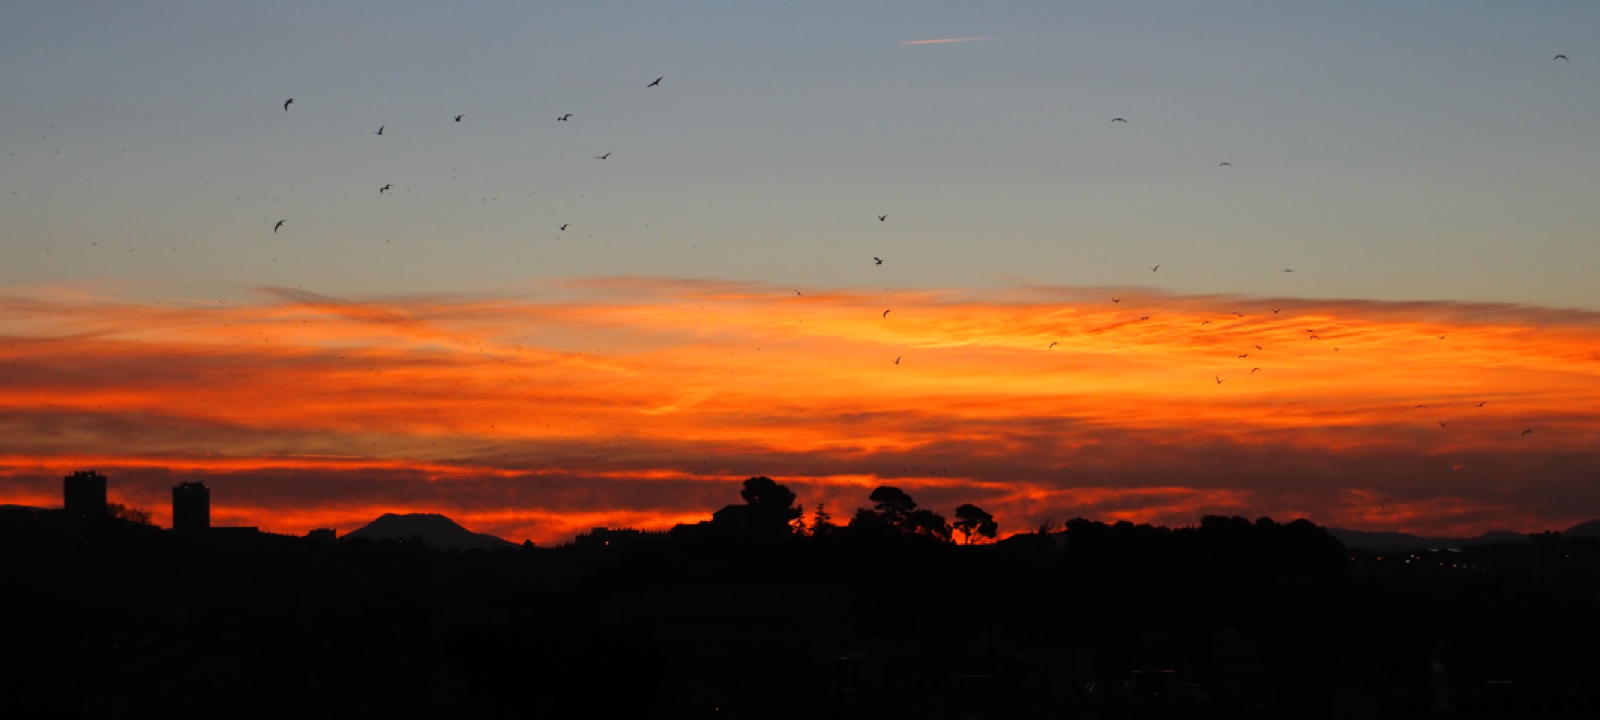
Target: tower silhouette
84,494
191,506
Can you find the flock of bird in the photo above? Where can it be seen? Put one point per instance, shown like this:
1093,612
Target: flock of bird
1311,334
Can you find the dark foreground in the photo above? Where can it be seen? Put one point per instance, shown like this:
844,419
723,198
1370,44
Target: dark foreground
1232,619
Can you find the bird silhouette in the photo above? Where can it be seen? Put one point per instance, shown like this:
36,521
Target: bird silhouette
1314,337
1561,57
1119,120
287,103
1441,337
1116,300
1244,355
1527,432
1482,403
797,294
1288,269
882,218
1254,370
877,261
1155,267
564,118
386,188
886,313
1205,322
897,361
1052,346
1418,407
602,157
564,225
656,81
1275,311
1143,318
1225,163
1258,347
278,225
379,131
1443,423
1219,379
458,118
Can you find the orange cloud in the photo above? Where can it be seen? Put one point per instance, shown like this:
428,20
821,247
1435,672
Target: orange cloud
645,400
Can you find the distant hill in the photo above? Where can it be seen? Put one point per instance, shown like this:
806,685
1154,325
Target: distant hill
434,530
1588,529
1406,542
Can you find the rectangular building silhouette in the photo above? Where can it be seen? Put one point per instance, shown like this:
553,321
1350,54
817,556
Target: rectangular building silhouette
84,494
191,507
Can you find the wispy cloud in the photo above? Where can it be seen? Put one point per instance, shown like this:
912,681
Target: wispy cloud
644,401
947,41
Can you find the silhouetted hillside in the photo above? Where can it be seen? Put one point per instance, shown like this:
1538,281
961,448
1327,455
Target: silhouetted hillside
1584,530
434,530
1379,541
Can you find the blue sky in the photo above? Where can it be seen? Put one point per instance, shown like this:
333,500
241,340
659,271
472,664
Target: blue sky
1384,150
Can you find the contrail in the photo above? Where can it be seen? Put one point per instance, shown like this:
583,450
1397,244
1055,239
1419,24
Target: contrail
942,41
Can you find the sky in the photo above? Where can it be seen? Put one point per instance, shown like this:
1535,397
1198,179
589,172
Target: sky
713,309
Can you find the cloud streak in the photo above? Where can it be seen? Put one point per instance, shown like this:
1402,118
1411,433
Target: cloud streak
947,41
645,400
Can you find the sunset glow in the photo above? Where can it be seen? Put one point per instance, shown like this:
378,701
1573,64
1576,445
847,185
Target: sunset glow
644,401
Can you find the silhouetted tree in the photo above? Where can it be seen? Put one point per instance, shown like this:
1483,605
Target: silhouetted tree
797,526
928,523
893,504
135,515
974,521
821,521
769,511
895,513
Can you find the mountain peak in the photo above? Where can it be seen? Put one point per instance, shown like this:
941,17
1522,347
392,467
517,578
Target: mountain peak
434,530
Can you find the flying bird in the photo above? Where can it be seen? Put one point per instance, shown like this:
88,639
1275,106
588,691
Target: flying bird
458,118
886,313
564,118
1120,120
1443,423
797,294
278,225
656,81
1441,337
1288,269
1562,57
1481,403
1052,346
877,261
386,188
1143,318
564,225
602,157
1205,322
1219,380
1116,300
1258,347
897,361
379,131
882,218
1418,407
1275,311
1225,163
1244,355
1155,267
1527,432
287,103
1254,370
